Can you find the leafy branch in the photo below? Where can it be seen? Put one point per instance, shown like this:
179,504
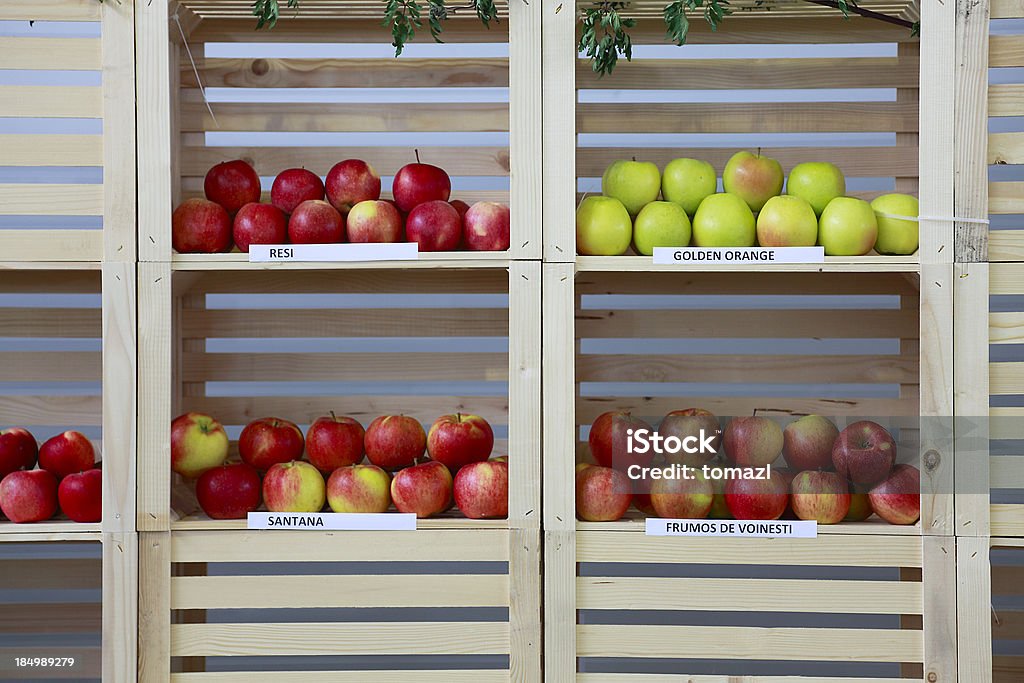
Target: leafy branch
603,37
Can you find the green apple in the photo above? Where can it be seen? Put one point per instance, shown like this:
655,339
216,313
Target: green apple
896,236
603,227
847,227
660,224
687,182
634,183
819,182
787,222
724,220
753,178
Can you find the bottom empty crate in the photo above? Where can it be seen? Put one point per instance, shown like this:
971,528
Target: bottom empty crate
1007,612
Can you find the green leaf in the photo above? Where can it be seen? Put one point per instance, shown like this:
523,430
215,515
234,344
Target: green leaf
603,35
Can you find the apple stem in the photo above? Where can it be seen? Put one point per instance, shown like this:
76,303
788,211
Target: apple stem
758,152
333,416
634,157
417,153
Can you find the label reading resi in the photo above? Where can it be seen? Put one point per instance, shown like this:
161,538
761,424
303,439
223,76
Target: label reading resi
332,521
657,526
399,251
738,255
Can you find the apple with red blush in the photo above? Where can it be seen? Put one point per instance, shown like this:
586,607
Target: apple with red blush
229,491
897,499
419,183
269,441
820,496
315,222
481,490
458,440
681,498
67,453
293,186
374,221
350,182
760,499
807,443
333,442
199,226
18,450
394,441
28,496
864,452
259,224
602,494
487,227
425,490
81,496
752,441
232,184
609,440
434,226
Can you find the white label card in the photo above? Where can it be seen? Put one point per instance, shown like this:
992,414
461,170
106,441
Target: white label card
333,521
398,251
737,255
776,528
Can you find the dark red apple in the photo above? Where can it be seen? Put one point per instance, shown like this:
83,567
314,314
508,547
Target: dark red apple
807,443
199,226
425,490
481,490
333,442
609,440
642,502
351,181
67,453
787,475
757,498
602,494
232,184
820,496
394,441
683,498
229,491
897,500
293,186
460,206
316,222
268,441
487,227
418,183
81,496
752,441
18,450
259,224
458,440
434,226
374,221
28,496
864,453
696,423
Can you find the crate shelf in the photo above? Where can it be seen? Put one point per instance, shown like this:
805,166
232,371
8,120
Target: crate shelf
634,522
437,260
833,264
199,521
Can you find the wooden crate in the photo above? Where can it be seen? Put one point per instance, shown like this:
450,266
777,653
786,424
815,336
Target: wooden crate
474,110
69,131
1005,656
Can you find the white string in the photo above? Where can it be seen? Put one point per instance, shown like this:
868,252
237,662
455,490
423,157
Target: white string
202,90
955,219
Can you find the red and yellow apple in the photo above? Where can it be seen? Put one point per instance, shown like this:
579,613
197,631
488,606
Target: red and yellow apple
897,500
434,226
752,441
350,182
691,422
481,490
602,494
807,443
374,221
294,486
458,440
268,441
198,443
315,222
425,490
820,496
609,440
683,498
359,488
416,184
757,498
487,227
864,453
28,496
259,224
333,442
394,441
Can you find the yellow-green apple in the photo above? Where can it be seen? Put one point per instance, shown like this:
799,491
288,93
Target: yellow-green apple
81,496
416,184
757,498
294,486
787,221
333,442
434,226
603,227
819,182
293,186
860,507
350,182
229,491
315,222
359,488
232,184
683,498
394,441
28,496
457,440
752,441
660,224
18,450
634,183
724,220
864,453
753,178
481,490
487,227
847,227
259,224
697,423
897,500
425,490
719,508
268,441
198,442
807,443
373,220
602,494
820,496
199,226
896,235
67,453
609,440
687,182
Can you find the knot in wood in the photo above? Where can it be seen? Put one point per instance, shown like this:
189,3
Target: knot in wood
260,67
931,460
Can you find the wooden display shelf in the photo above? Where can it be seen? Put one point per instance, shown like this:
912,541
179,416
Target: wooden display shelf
832,264
437,260
634,522
199,521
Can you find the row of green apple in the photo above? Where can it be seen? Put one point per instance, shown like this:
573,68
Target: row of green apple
642,207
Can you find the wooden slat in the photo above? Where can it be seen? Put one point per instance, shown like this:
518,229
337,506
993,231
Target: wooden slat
70,54
50,10
1006,99
375,676
1006,148
53,245
37,366
1007,668
1007,9
52,150
1005,51
50,618
55,411
1006,279
1006,378
1006,327
32,199
1007,580
376,281
310,29
23,575
1007,519
690,283
50,322
712,678
1006,245
51,101
1008,624
588,408
1007,471
1006,423
1006,197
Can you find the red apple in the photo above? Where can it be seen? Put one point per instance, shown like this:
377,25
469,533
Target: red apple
18,450
67,453
294,486
350,182
418,183
609,441
259,224
293,186
229,491
864,453
457,440
315,222
359,488
787,476
820,496
719,508
481,490
460,206
198,443
333,442
199,226
807,443
268,441
860,508
81,496
683,498
897,500
691,422
232,184
395,441
28,496
435,226
487,227
642,502
602,494
374,221
752,441
425,490
757,498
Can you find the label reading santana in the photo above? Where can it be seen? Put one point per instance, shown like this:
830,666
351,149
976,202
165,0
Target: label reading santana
333,521
399,251
732,527
738,255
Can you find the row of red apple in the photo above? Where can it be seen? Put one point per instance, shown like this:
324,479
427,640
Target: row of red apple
68,477
353,211
646,208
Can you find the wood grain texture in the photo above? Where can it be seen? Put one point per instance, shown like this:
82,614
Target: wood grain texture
371,676
119,167
972,390
560,648
120,604
154,644
524,395
152,71
974,609
971,130
155,344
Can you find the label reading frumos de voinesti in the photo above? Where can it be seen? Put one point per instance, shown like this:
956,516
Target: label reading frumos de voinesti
737,255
